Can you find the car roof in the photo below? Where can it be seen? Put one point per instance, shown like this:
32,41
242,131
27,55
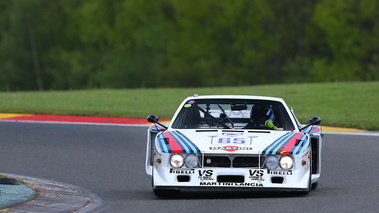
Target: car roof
250,97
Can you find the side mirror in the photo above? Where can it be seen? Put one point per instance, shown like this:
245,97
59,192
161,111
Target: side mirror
152,119
315,121
312,121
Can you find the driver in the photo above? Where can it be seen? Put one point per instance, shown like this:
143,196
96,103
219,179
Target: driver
261,116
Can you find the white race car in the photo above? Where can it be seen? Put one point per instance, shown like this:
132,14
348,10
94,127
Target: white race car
234,143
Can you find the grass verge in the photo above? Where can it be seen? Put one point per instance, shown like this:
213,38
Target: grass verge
347,104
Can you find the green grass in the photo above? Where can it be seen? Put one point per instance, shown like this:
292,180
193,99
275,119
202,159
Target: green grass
348,104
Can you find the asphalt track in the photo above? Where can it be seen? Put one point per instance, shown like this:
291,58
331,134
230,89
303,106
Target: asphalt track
109,160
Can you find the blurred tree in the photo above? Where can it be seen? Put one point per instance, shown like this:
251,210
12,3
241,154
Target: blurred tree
76,44
18,45
347,32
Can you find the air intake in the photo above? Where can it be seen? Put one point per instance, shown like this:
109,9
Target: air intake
230,179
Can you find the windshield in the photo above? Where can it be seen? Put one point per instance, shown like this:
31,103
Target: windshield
233,114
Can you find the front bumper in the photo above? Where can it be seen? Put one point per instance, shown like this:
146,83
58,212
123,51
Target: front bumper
231,179
231,189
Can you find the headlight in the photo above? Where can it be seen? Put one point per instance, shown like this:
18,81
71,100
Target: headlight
286,162
271,162
176,161
191,161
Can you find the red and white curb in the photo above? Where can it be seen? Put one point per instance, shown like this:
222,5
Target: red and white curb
66,119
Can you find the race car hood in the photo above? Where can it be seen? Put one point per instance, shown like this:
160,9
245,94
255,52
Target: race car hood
238,142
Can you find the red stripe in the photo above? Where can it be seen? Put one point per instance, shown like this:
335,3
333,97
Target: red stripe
315,129
290,144
174,145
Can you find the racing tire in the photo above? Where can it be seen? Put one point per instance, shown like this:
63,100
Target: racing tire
314,185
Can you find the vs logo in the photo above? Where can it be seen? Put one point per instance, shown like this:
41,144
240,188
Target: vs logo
256,174
206,174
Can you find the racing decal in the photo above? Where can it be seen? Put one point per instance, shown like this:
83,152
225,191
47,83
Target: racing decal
271,172
230,148
290,143
182,171
232,134
229,140
175,142
256,174
206,175
223,140
189,104
231,184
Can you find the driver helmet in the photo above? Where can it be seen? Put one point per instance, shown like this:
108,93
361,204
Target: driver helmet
261,113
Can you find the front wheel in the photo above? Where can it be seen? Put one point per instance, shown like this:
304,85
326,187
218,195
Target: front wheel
314,185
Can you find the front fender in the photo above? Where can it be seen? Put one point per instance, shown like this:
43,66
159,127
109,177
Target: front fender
150,146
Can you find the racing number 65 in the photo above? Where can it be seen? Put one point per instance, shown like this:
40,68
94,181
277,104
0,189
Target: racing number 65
229,140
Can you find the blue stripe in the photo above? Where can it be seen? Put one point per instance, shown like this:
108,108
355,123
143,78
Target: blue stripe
304,147
308,129
189,142
163,144
157,142
284,142
181,142
267,150
302,139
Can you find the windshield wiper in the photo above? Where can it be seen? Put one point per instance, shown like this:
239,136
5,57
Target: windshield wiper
226,116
